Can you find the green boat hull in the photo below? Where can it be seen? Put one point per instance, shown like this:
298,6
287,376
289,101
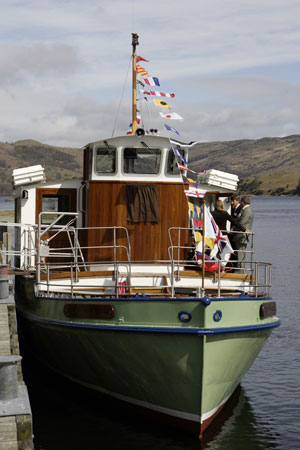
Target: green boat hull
180,358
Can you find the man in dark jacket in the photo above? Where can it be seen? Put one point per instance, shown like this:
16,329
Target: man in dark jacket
235,205
245,218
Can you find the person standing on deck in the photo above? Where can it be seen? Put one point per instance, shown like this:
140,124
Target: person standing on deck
235,211
245,218
235,205
221,217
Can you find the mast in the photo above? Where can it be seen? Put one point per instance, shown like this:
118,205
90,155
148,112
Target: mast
135,42
203,250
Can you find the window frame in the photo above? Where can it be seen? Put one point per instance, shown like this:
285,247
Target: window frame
147,150
110,148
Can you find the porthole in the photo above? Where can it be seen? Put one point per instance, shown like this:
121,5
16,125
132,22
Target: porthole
217,315
184,316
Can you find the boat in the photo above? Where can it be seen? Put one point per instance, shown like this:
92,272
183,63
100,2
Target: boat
108,291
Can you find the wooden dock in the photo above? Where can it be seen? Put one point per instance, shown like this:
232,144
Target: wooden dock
15,411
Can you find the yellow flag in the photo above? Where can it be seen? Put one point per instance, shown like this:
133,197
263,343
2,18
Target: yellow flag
191,206
141,70
161,103
198,237
208,241
194,208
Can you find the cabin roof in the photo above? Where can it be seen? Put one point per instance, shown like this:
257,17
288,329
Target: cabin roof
125,141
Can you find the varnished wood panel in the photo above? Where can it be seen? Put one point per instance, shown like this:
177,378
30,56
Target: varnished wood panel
149,241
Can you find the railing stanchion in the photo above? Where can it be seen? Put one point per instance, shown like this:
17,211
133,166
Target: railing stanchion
72,280
48,278
256,278
219,280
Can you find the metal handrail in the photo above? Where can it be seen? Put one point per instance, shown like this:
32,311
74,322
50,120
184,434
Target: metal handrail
260,285
260,272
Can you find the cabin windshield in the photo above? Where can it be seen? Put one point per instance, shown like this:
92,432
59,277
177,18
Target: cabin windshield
105,160
141,160
172,168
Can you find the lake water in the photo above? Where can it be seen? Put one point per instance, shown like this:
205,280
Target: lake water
267,414
6,203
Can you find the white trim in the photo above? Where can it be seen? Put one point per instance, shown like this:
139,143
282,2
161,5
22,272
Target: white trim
171,412
213,411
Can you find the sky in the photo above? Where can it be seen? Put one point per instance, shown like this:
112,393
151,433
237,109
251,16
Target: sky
65,76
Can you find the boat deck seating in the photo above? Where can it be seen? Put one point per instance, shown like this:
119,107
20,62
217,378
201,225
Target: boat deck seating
182,273
157,290
150,291
85,274
228,275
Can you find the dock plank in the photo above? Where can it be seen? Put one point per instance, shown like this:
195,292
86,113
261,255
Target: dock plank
8,433
4,331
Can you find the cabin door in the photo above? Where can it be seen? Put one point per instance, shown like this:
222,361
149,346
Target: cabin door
55,200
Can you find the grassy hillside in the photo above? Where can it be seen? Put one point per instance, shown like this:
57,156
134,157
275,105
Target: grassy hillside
59,162
265,166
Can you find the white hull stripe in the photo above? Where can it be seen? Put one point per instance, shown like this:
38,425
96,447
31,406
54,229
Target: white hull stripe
213,411
133,401
171,412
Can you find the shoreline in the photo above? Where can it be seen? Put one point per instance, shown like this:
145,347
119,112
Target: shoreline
7,215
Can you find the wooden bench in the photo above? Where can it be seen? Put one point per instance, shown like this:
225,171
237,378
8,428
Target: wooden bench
85,274
228,275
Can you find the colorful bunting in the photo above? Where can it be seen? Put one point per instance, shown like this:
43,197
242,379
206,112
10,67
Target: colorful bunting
152,81
197,223
140,70
173,116
189,181
198,238
161,103
139,58
158,94
197,193
194,208
177,153
167,127
182,167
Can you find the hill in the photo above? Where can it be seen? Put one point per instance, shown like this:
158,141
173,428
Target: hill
59,162
264,166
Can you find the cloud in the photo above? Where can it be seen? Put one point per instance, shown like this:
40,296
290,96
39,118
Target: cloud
18,62
63,65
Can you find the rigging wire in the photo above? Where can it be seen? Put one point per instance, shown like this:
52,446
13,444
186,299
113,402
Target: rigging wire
115,124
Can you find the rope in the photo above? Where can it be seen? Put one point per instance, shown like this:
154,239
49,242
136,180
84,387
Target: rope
115,124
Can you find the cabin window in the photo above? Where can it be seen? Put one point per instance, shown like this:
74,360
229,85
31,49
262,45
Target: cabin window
172,168
55,203
105,160
141,160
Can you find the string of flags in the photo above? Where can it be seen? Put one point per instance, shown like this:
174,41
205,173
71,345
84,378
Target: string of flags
173,116
213,236
147,81
158,94
140,70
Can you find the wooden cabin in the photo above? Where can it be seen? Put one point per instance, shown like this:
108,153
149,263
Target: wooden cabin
130,196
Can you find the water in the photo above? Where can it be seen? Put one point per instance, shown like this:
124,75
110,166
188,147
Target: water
6,204
267,414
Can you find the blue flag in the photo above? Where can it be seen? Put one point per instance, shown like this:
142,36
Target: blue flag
177,153
171,129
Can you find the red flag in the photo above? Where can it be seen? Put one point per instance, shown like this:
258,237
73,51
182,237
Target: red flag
139,58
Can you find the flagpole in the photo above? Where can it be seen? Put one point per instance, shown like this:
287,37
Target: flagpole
203,248
135,42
